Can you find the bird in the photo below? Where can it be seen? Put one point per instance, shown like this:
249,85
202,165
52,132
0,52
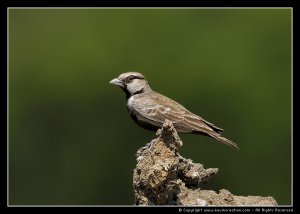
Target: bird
150,109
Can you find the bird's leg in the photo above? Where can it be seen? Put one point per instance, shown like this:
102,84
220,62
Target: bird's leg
148,147
151,144
150,152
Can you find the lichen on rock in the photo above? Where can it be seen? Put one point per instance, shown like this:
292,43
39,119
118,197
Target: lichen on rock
163,177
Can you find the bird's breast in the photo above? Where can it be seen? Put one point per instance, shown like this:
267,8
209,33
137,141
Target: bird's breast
129,104
140,119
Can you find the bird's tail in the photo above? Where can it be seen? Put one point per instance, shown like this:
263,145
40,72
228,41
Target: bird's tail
225,141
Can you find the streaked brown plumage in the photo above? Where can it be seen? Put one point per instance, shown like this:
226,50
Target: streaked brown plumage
150,109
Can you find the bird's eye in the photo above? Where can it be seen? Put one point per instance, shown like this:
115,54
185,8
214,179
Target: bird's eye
129,79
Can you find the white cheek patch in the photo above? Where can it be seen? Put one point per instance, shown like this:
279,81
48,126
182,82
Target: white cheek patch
135,86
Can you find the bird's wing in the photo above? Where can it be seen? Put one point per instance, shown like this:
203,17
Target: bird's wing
156,107
192,117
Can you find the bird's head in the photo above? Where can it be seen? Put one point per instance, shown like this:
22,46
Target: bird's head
132,83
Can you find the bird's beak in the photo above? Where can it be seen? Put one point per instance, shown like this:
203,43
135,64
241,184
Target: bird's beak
117,82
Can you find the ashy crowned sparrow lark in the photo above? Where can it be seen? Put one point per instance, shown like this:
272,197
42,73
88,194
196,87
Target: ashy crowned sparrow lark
150,109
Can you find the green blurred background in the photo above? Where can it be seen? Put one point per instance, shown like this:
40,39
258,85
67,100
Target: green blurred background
71,140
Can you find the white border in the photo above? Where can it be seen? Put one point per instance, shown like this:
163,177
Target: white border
156,8
292,121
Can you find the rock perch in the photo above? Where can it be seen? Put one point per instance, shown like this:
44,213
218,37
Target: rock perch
163,177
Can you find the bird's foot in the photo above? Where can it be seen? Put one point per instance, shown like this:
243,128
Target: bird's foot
148,147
